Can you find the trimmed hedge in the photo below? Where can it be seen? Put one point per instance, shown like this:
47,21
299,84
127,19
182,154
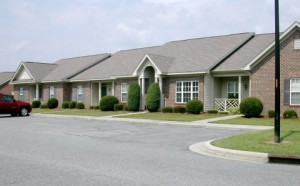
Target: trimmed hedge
119,106
167,110
72,104
36,104
179,109
133,102
44,106
153,97
271,113
194,106
65,105
212,111
80,105
97,107
290,114
107,103
52,103
251,107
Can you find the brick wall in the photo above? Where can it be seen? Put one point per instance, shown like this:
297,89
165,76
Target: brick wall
118,86
263,75
86,86
16,91
169,88
6,88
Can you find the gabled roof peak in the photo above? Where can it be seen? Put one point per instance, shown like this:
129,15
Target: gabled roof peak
142,48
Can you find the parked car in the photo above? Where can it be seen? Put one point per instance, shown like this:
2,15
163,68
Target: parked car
8,105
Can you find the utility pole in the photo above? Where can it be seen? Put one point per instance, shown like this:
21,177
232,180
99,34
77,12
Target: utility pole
277,75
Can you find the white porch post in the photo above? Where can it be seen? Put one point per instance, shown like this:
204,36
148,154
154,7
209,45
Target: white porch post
113,88
143,93
37,92
100,91
240,89
161,92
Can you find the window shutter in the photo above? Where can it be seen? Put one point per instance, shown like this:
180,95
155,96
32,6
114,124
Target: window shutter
287,92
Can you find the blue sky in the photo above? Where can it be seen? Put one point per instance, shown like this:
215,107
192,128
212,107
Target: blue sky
46,31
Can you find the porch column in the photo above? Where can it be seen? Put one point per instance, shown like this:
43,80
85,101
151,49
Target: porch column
240,89
113,88
37,92
142,79
162,102
100,91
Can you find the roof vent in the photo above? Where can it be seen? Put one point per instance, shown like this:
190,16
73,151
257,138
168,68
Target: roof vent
297,44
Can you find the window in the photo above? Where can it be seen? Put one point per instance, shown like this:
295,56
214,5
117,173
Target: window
124,88
79,93
297,44
295,91
21,94
51,92
7,99
186,91
233,90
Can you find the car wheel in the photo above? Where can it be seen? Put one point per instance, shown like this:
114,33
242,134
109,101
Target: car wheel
24,112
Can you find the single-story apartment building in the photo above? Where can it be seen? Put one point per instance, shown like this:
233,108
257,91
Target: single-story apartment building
220,71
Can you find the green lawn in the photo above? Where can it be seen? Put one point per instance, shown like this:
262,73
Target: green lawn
81,112
263,141
171,116
257,121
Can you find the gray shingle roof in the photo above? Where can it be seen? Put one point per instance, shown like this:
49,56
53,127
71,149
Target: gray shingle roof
5,77
246,54
39,70
66,68
193,55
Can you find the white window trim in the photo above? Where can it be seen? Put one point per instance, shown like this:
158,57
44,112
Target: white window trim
21,93
236,89
79,92
124,90
181,91
51,91
293,91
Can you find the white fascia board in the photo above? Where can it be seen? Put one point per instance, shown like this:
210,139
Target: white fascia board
88,80
135,72
271,46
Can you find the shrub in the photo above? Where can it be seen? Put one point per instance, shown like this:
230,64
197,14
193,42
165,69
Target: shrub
52,103
212,111
65,105
251,107
80,105
91,107
290,114
271,113
107,103
179,109
97,107
72,104
167,110
119,106
126,107
153,98
44,106
223,112
36,104
133,102
234,110
194,106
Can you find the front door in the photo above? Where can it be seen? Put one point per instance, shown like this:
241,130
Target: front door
103,90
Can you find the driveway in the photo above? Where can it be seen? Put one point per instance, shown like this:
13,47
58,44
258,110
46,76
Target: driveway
66,151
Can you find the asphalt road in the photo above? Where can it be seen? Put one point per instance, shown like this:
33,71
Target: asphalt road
51,151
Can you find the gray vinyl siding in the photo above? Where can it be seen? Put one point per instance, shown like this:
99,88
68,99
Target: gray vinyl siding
208,92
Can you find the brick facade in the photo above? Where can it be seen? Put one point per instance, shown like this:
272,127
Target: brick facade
6,88
169,88
86,86
263,75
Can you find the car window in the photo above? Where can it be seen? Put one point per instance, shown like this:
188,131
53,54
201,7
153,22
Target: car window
7,99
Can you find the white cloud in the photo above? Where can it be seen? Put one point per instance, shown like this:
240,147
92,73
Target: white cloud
19,46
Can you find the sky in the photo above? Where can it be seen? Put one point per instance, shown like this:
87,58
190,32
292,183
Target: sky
49,30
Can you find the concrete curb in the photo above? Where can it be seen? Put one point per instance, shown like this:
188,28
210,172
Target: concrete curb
205,148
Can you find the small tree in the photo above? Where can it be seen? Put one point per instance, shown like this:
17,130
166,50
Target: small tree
153,97
133,102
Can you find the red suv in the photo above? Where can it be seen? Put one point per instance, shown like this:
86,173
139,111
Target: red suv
8,105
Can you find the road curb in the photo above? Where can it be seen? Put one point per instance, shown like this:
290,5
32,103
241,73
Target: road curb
205,148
